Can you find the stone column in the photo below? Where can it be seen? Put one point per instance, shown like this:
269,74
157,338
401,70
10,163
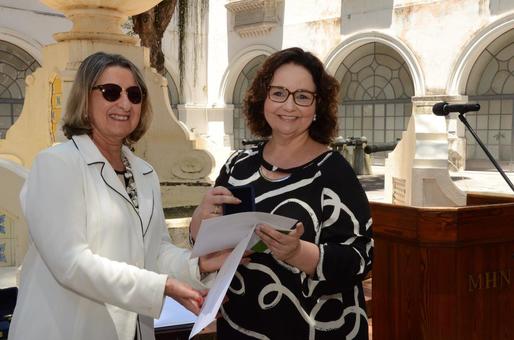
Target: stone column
13,228
417,170
456,142
168,146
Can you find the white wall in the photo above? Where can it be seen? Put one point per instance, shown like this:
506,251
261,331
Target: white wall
31,21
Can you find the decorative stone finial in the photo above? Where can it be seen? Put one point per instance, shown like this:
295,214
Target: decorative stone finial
98,19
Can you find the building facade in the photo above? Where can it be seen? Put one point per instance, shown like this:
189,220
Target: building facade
384,53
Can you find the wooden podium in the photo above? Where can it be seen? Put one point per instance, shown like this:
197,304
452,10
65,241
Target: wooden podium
444,273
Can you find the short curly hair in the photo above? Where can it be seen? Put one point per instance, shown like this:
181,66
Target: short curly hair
324,128
76,121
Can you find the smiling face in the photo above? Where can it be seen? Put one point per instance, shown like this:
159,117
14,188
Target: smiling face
287,119
112,122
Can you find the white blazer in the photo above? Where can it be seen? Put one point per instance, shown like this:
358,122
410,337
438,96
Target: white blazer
91,271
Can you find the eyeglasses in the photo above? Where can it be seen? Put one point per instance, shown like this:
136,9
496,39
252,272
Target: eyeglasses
112,92
280,94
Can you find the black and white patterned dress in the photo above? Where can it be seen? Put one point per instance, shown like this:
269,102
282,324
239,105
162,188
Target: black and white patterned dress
268,299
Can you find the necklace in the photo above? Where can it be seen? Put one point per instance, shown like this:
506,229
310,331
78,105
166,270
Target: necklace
129,182
269,179
274,168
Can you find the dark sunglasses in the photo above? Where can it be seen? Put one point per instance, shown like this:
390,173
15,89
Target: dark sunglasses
112,92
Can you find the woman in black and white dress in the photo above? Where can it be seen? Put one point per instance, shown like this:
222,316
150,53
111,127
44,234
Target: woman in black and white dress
307,285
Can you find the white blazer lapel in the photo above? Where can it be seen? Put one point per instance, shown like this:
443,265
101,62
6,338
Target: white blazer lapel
93,157
141,171
111,180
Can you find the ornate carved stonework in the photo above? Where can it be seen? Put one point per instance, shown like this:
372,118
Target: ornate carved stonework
191,166
167,145
253,17
98,20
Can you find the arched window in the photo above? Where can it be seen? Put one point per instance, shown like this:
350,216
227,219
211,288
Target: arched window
376,91
15,66
491,83
242,84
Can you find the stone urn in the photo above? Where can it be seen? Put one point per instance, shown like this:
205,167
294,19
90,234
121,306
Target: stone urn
85,13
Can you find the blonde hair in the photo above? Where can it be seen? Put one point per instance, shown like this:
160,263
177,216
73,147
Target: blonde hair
76,120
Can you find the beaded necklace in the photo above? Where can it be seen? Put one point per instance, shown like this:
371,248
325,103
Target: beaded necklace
130,184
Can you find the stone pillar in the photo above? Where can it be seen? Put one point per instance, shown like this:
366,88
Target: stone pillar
168,145
456,142
212,127
13,228
195,117
416,172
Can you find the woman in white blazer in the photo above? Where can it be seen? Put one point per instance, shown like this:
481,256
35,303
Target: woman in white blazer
100,260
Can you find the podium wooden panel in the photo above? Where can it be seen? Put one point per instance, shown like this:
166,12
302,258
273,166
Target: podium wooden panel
444,273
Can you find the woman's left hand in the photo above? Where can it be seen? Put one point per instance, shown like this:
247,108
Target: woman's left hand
284,246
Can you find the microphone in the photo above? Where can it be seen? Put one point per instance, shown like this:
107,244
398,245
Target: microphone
443,108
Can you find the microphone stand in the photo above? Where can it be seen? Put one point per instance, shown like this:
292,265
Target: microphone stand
491,158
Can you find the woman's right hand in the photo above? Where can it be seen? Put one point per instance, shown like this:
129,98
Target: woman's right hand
213,200
188,297
211,206
212,262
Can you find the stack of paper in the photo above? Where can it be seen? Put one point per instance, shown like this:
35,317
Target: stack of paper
235,232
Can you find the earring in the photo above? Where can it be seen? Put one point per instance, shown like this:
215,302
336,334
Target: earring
314,119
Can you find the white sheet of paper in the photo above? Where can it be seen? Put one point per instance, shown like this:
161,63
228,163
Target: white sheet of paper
219,288
225,232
